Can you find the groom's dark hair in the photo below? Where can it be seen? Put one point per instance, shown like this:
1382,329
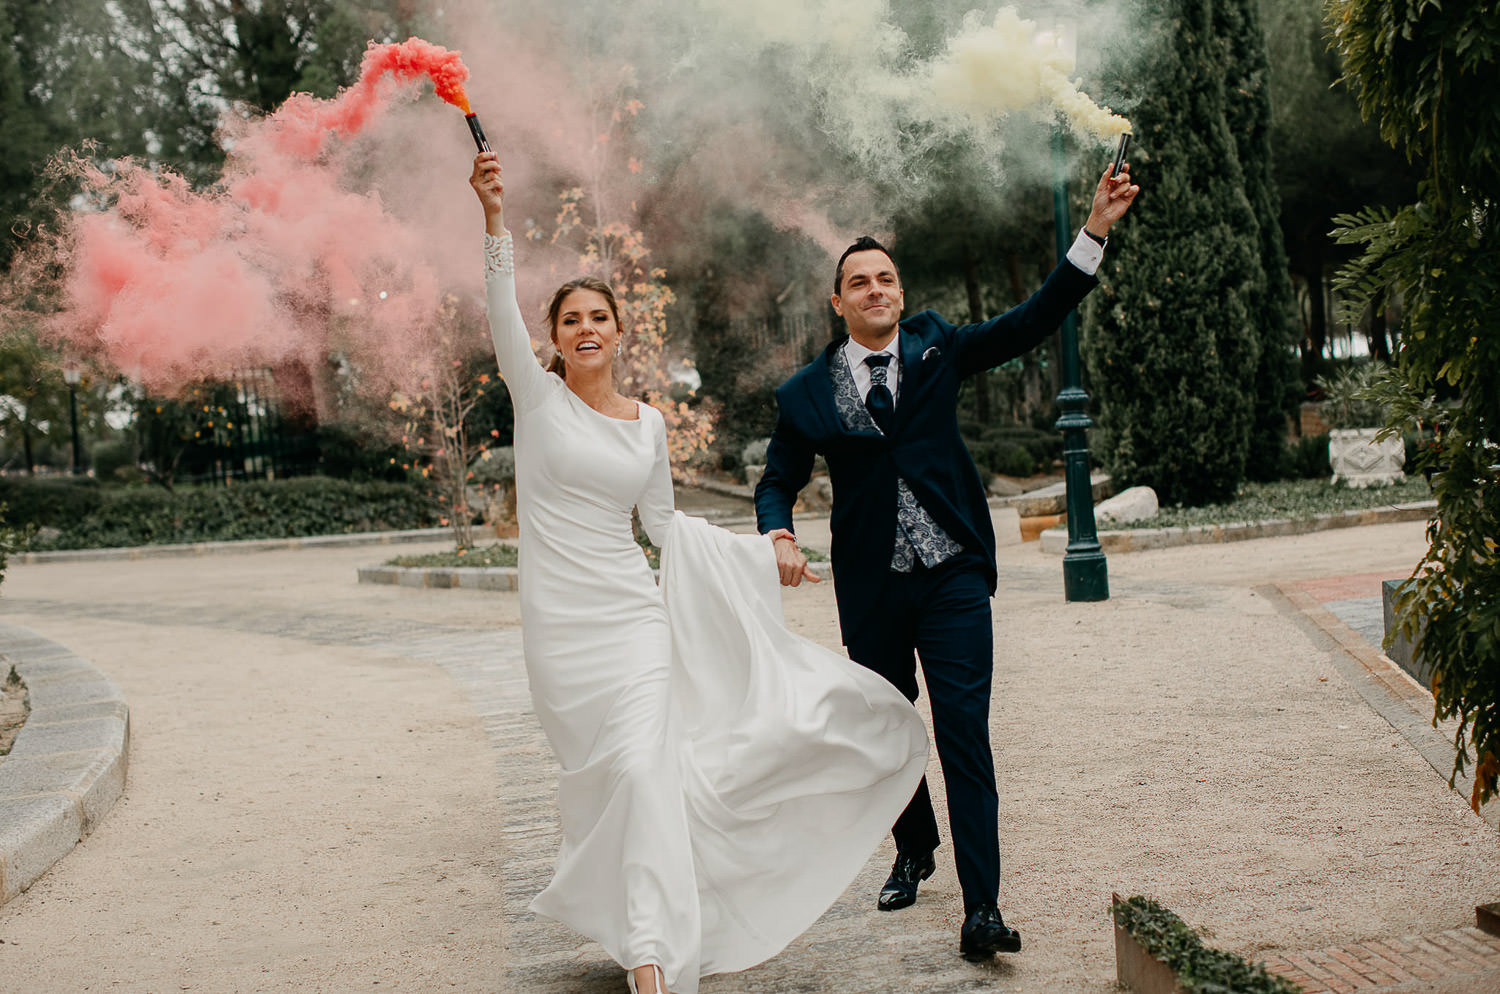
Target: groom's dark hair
863,244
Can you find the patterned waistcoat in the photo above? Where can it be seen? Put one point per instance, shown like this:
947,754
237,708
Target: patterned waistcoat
918,537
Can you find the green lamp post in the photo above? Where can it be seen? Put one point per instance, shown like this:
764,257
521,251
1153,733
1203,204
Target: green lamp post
1085,571
72,376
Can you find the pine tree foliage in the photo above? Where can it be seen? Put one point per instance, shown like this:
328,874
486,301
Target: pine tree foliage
1425,72
1247,110
1170,339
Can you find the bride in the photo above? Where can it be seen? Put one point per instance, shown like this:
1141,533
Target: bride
722,780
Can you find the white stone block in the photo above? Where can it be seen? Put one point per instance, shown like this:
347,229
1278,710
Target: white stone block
1358,460
1133,504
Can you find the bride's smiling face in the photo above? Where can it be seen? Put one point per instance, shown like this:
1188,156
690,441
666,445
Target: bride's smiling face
586,332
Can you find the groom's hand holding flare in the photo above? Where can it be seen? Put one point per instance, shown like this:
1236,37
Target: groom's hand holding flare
1112,198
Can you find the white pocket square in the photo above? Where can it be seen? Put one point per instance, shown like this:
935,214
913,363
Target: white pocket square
931,351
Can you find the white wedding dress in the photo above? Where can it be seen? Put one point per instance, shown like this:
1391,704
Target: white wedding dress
722,780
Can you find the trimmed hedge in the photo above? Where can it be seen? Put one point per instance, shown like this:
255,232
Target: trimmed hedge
1014,450
10,541
1199,969
49,501
302,506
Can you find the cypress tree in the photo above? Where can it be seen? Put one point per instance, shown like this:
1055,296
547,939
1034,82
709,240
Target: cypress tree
1247,110
1169,340
30,136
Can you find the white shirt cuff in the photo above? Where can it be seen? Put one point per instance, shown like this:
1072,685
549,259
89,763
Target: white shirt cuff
1086,253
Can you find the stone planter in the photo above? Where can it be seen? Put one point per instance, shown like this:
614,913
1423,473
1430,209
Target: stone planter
1139,970
1487,917
1402,651
1360,461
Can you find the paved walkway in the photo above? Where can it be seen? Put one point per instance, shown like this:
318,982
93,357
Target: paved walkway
341,787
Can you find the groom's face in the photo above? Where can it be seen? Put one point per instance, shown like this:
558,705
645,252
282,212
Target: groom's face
870,297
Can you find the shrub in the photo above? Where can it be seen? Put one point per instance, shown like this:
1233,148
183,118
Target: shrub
1346,397
754,452
1018,463
1309,458
1199,969
1419,444
49,501
1015,450
6,541
495,466
349,452
111,457
1425,72
272,509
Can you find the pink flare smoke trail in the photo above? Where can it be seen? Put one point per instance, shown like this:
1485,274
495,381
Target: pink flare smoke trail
302,124
280,261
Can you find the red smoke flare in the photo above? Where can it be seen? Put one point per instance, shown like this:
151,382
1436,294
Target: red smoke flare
281,260
302,124
415,57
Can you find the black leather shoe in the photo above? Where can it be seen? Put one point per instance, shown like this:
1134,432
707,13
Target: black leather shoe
985,934
900,891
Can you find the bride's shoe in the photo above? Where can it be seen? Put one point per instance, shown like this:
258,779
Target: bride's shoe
661,981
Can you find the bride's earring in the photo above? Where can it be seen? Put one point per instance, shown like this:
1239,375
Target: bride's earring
620,347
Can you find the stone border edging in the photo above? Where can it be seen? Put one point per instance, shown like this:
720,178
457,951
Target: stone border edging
67,766
464,577
473,577
1055,540
244,545
1388,689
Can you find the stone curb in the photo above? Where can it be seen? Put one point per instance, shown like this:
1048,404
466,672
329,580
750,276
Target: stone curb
472,577
742,491
462,577
246,545
1055,540
67,766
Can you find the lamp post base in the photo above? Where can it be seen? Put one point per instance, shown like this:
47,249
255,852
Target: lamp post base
1085,576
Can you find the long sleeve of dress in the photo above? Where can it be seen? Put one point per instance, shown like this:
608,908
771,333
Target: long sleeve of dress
524,377
656,503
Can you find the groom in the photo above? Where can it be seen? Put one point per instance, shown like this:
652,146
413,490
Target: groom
913,547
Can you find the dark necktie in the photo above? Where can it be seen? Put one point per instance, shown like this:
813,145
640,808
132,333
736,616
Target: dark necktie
881,404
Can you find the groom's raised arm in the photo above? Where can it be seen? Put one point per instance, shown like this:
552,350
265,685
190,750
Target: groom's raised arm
1020,329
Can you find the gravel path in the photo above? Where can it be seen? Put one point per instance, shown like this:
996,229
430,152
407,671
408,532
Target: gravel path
337,787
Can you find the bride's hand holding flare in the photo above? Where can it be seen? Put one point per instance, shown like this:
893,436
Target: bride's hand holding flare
489,186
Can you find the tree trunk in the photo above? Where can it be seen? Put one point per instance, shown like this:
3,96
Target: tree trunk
1317,323
976,314
1380,343
1038,394
26,449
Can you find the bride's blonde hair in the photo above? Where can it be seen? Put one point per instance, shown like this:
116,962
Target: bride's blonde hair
555,307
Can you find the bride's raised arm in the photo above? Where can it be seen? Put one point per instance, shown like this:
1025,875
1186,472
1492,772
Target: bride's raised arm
524,377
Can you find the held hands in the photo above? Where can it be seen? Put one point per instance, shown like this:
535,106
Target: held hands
790,562
1112,198
489,186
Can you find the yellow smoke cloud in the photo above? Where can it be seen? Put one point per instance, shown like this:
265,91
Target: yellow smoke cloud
989,70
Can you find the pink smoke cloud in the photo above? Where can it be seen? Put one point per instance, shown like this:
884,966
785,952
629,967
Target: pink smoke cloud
285,259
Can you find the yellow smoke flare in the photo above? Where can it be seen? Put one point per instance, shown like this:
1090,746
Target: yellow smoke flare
990,70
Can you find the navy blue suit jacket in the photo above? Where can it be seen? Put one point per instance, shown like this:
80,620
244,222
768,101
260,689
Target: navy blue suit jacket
923,447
